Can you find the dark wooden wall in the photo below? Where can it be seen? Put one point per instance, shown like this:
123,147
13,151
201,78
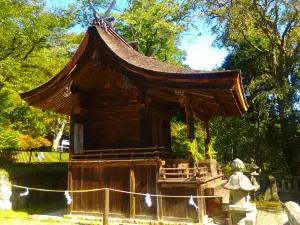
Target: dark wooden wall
113,118
179,208
113,130
97,175
117,175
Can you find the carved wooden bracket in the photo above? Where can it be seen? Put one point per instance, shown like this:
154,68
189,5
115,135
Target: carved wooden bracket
127,82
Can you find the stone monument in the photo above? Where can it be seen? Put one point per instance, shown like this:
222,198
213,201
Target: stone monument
241,210
5,191
271,193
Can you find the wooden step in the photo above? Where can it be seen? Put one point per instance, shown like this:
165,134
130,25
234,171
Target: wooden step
215,186
223,191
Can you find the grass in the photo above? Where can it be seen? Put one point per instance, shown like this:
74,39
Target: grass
49,157
268,204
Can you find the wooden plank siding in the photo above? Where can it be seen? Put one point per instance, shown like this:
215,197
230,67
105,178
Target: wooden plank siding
87,176
145,178
179,208
93,177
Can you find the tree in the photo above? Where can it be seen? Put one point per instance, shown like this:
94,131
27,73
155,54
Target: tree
263,39
35,43
158,26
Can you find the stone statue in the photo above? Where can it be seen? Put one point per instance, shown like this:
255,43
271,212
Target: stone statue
271,193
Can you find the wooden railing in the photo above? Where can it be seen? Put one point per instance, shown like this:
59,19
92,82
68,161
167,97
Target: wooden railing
125,153
181,172
289,184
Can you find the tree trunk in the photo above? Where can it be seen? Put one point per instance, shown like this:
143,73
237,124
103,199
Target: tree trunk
288,149
58,136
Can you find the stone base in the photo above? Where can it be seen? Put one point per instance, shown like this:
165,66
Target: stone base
211,165
243,215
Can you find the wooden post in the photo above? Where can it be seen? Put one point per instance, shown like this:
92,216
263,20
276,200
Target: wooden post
201,203
132,197
106,206
207,140
190,124
158,198
30,156
60,157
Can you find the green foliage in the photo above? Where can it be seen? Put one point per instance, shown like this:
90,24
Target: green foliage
157,25
181,145
34,45
193,149
263,40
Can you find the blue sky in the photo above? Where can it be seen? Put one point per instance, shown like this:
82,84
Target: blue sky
200,53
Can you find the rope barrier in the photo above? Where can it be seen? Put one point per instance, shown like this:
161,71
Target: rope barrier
120,191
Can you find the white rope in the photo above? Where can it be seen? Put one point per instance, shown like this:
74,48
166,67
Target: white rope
120,191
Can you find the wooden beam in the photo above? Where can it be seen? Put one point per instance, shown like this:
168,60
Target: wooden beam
161,94
132,197
114,109
113,163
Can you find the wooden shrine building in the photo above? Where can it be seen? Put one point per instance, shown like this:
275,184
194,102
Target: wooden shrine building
119,102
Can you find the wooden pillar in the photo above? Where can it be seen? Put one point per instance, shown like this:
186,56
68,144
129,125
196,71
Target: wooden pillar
142,118
132,197
143,132
71,136
106,206
207,140
201,204
158,198
190,124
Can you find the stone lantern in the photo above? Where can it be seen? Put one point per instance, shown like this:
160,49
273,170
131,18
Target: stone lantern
253,174
241,210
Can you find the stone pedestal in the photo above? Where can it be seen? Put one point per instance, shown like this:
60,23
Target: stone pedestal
243,215
5,191
211,165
